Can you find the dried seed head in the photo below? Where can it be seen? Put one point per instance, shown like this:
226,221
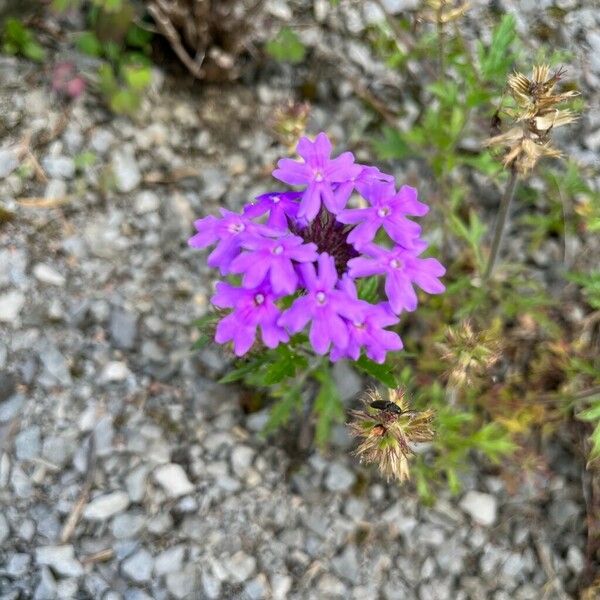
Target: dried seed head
289,122
535,116
470,353
386,436
445,11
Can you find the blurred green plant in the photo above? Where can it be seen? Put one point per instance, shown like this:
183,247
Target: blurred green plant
286,47
18,39
487,409
124,47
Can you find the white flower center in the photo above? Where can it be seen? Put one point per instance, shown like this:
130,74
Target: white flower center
321,297
358,325
318,175
396,264
278,249
237,227
275,199
383,212
259,299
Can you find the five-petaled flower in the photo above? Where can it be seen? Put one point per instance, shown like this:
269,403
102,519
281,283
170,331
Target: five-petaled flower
255,307
320,173
300,255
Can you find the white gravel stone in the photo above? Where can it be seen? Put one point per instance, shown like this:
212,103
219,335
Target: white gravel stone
115,371
9,161
339,478
27,443
241,459
169,560
47,274
482,508
104,507
4,528
182,584
211,586
61,559
146,202
11,304
173,479
139,566
240,566
126,171
61,167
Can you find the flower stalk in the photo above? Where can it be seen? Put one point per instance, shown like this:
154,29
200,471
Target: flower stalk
505,203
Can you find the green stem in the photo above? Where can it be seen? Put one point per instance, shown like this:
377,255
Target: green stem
509,194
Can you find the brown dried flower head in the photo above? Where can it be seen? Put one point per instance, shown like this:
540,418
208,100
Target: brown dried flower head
535,116
470,353
445,11
386,429
289,122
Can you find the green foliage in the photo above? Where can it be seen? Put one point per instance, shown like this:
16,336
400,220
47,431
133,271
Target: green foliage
496,60
382,373
328,405
286,47
18,39
592,415
590,287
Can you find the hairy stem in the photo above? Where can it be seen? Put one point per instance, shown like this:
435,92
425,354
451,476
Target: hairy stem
509,194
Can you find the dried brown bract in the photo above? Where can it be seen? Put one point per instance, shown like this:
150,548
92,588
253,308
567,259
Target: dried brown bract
535,116
289,122
445,11
387,429
470,353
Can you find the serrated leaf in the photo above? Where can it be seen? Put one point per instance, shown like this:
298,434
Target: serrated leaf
382,373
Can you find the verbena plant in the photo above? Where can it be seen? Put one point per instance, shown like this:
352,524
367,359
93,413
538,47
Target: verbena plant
321,281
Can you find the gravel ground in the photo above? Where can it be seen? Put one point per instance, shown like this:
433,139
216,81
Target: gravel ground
125,471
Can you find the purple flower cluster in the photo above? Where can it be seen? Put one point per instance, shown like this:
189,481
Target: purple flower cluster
304,250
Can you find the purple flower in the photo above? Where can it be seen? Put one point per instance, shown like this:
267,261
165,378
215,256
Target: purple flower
323,304
388,210
367,176
279,205
252,308
402,268
308,253
319,173
227,232
367,329
273,258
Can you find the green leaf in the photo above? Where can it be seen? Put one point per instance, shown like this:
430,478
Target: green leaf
280,413
241,371
380,372
84,159
124,102
137,78
367,289
138,37
286,47
89,44
393,145
17,39
496,61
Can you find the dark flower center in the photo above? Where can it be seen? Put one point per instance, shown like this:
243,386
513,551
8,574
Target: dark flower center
329,236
